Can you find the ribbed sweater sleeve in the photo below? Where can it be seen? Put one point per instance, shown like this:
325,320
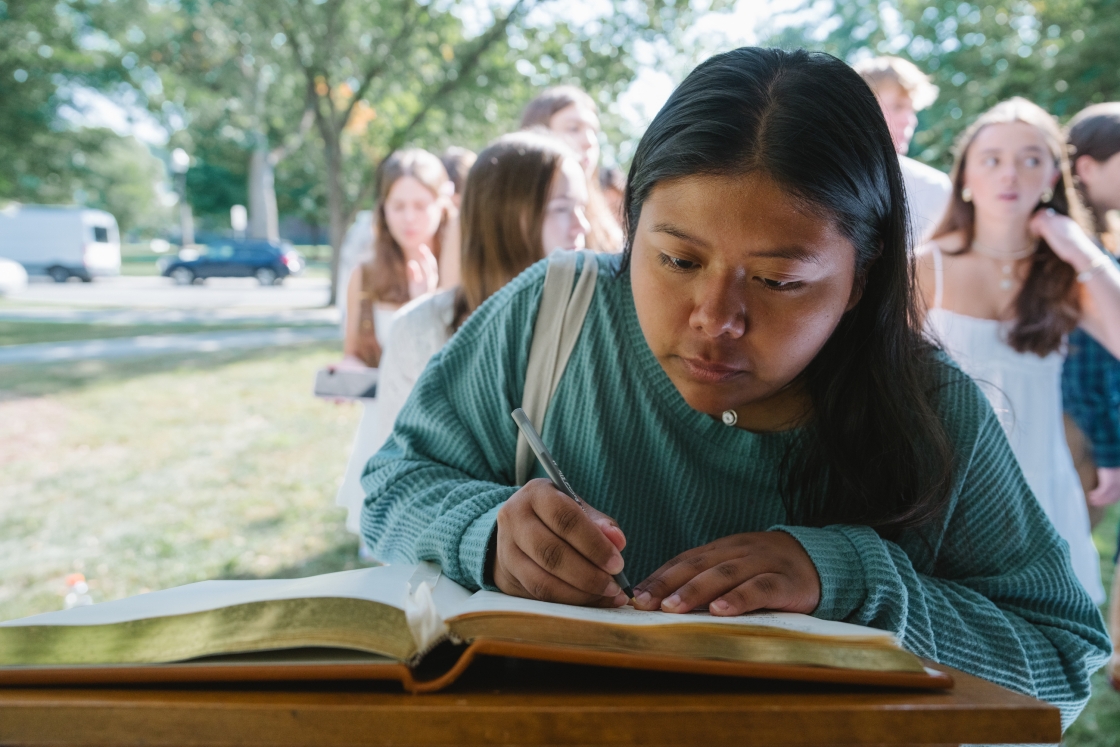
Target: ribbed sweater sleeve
997,600
434,489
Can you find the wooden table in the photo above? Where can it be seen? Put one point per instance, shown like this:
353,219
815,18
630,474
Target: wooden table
503,701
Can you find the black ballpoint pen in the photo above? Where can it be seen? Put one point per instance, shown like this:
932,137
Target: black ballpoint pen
558,479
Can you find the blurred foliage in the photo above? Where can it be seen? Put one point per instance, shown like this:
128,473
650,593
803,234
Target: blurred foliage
328,88
1061,54
43,61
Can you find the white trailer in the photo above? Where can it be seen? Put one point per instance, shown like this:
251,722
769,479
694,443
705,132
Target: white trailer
61,241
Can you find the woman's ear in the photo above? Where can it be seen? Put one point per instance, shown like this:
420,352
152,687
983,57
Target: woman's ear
857,292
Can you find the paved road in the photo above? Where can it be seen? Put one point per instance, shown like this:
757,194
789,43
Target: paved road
148,345
159,292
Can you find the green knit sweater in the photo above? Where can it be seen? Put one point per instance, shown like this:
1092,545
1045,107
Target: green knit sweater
992,594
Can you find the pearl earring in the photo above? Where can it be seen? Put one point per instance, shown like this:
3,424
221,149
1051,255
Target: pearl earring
730,417
966,194
1047,196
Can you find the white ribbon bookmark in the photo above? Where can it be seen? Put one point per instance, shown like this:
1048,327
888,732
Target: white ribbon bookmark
424,621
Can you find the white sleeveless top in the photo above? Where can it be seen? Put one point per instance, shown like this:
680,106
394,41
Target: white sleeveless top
1025,391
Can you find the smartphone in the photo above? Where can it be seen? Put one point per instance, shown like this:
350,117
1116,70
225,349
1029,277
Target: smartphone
346,383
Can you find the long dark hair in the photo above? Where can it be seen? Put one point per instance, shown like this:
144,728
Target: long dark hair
389,267
875,451
1048,304
502,215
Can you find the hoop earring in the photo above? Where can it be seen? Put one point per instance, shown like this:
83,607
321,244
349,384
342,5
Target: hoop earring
1047,196
966,194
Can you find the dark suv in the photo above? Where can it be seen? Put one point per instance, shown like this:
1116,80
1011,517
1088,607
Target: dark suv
231,258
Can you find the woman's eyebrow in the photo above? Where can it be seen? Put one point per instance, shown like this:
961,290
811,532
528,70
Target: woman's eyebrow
678,233
792,253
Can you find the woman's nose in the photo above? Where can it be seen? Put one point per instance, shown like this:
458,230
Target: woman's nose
720,310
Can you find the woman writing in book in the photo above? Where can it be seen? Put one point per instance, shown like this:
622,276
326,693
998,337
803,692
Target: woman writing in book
525,197
750,406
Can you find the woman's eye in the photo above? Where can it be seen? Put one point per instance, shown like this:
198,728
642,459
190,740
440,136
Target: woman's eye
1032,161
779,285
991,161
675,263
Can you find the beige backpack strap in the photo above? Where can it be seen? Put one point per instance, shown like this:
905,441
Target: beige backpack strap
559,322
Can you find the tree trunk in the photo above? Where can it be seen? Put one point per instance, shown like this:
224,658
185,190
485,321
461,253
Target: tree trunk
264,222
336,209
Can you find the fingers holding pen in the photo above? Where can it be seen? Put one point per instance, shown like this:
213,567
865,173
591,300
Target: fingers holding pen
548,549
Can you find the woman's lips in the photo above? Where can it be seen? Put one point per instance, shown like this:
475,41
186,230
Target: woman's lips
708,371
1009,196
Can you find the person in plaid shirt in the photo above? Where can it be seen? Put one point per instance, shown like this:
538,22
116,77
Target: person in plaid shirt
1091,376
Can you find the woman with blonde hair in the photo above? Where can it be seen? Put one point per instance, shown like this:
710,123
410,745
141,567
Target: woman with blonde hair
524,198
1009,273
571,115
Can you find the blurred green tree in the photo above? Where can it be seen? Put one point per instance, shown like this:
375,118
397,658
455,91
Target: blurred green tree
41,64
366,77
1061,54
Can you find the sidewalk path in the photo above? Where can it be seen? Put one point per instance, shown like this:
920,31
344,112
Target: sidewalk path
149,345
128,317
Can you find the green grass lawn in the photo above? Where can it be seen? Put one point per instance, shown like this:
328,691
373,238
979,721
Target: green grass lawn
19,333
1099,725
154,473
146,474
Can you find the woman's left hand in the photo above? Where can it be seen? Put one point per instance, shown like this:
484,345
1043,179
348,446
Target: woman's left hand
733,575
1065,237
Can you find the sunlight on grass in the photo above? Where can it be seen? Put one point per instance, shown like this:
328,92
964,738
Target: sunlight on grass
22,333
149,474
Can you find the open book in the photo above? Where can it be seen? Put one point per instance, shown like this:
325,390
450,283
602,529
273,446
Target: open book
379,623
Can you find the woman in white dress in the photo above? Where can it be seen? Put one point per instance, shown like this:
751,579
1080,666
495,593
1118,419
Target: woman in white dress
1008,274
413,224
525,197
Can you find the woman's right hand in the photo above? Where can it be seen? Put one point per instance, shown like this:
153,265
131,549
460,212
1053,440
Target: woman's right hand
423,273
549,549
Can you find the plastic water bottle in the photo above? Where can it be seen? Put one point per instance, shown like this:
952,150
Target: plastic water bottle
78,594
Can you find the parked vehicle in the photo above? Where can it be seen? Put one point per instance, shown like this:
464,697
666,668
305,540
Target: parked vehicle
62,242
268,262
13,277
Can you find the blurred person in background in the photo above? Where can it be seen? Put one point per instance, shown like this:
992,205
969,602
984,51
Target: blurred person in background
1011,271
411,220
458,162
903,90
570,114
1091,376
525,197
613,184
411,227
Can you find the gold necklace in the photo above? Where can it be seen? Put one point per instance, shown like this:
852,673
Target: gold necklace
1008,258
